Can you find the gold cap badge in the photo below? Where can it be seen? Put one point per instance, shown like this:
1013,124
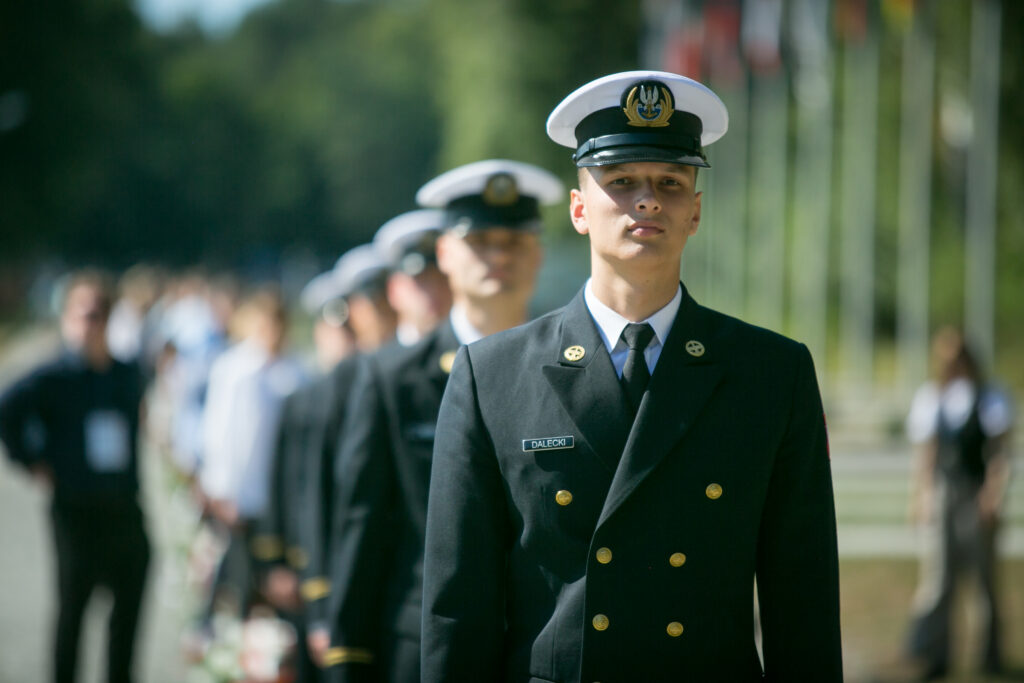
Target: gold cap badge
501,190
648,104
574,353
695,348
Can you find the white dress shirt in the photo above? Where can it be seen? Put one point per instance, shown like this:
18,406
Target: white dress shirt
610,324
464,330
243,407
954,403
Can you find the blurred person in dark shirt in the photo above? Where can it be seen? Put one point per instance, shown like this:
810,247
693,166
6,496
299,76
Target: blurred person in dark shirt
73,424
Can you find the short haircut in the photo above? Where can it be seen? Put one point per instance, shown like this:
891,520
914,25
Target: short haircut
94,278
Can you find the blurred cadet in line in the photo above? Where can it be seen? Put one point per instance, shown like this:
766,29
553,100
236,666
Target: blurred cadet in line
73,424
417,290
490,252
247,387
960,424
290,536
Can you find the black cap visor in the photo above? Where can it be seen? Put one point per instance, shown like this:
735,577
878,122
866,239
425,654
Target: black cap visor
637,153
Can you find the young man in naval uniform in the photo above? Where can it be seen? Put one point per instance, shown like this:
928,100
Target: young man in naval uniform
609,480
490,252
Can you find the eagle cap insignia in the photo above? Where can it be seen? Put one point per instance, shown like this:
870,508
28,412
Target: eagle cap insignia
501,190
648,103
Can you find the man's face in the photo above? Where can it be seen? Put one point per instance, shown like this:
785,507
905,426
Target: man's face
640,213
490,263
423,298
84,320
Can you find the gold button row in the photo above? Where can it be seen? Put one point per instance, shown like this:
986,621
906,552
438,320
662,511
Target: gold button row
601,623
713,491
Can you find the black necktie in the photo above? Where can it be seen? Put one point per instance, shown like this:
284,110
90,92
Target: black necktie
635,373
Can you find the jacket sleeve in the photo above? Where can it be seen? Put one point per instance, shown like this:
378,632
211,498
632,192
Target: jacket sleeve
797,562
466,543
21,427
362,537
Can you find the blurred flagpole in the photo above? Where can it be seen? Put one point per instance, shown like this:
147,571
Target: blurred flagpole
766,197
982,171
858,144
812,177
727,180
915,175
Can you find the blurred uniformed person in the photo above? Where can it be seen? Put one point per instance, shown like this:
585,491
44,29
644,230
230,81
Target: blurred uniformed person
289,536
417,290
351,311
609,480
490,252
73,423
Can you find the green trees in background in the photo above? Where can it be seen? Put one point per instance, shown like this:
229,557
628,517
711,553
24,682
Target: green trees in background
311,124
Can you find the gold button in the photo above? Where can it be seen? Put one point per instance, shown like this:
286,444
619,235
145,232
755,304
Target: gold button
600,622
714,491
604,555
674,629
563,497
677,559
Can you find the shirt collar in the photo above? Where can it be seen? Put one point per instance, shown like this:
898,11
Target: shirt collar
465,333
611,324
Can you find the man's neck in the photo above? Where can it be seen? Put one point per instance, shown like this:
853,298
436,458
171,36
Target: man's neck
491,316
635,296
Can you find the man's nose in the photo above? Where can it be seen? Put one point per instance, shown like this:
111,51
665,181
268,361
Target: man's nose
646,201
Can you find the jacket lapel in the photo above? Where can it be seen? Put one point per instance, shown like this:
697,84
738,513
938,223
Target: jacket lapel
587,386
680,386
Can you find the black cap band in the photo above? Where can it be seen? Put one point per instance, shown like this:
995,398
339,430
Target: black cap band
474,212
608,138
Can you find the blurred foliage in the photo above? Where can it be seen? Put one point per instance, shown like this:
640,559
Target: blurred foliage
310,125
316,120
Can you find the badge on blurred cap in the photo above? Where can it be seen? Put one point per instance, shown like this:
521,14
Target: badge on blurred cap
639,116
496,193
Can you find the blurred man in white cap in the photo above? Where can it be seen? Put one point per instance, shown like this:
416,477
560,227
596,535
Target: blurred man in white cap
416,289
490,252
609,480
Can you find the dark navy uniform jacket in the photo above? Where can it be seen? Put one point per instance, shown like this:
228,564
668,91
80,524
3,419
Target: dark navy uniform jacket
382,485
622,552
54,414
316,500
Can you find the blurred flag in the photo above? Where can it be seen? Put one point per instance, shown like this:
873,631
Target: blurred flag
760,30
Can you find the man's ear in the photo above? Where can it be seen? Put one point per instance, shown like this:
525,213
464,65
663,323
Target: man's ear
695,219
578,212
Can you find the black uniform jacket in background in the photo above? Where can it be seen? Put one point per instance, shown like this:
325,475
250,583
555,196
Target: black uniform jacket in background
383,481
43,420
724,475
329,399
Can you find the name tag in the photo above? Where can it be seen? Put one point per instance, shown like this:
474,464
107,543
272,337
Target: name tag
551,443
107,441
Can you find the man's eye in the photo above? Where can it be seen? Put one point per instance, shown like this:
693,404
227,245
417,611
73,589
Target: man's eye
670,181
621,181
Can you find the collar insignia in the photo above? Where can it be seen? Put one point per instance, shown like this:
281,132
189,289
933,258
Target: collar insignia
446,361
648,103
